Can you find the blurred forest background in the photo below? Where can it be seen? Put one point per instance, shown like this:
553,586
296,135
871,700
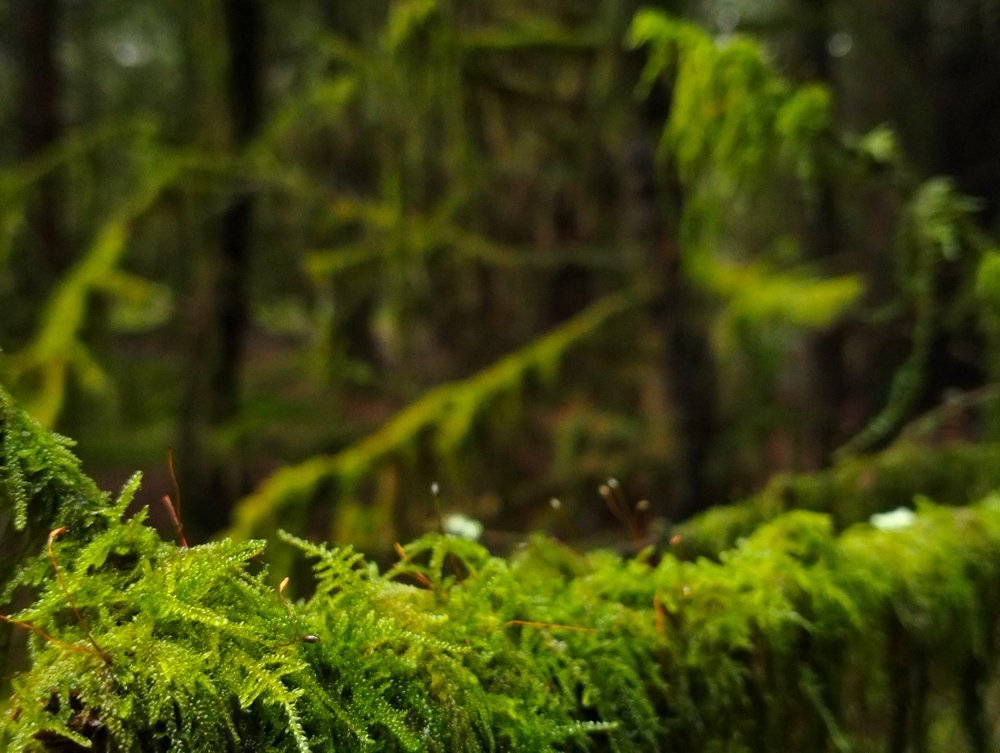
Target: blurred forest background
335,252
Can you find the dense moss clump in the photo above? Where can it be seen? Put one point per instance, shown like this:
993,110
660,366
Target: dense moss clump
796,639
41,487
853,490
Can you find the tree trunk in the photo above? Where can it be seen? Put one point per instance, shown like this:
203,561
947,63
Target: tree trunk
822,243
967,113
212,466
42,124
690,366
688,361
244,27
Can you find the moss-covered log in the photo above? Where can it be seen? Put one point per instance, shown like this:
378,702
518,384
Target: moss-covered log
852,491
796,639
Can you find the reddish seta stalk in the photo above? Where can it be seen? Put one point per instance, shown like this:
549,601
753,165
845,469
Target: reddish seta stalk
98,651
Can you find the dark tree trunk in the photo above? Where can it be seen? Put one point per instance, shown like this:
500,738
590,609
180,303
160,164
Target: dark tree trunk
231,315
244,26
910,27
822,231
244,31
690,367
652,219
218,474
815,34
41,127
41,122
973,679
967,112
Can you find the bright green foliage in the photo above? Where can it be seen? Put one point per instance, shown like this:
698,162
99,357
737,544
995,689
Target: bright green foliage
58,347
181,633
41,487
190,651
730,113
142,645
755,295
734,124
454,649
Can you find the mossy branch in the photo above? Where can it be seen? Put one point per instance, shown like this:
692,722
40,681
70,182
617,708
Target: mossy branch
449,411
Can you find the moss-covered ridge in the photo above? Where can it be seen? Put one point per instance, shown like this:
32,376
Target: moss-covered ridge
41,487
853,490
796,639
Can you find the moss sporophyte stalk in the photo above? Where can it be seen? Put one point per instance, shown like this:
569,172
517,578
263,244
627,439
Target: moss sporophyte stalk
789,640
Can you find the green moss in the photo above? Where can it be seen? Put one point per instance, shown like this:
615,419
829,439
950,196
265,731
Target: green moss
41,487
853,490
795,639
